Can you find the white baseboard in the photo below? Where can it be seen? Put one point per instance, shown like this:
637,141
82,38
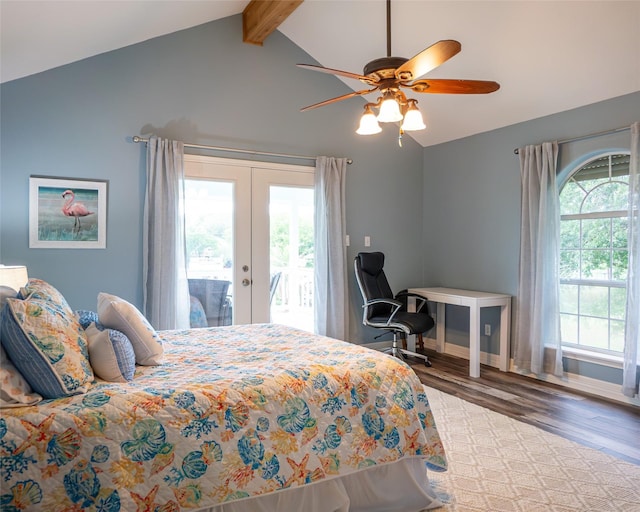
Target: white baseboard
596,387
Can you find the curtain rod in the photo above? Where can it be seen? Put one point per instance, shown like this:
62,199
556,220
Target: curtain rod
589,136
137,139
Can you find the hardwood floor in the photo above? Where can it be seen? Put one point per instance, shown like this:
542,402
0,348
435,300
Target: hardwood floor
608,426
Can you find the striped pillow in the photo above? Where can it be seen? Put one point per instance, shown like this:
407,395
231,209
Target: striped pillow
47,345
110,353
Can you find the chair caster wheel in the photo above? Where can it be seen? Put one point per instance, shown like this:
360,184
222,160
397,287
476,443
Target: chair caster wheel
427,363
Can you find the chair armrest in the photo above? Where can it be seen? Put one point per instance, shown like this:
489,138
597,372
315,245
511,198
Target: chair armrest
391,302
421,298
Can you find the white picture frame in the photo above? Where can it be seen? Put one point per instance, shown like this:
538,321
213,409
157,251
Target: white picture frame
67,213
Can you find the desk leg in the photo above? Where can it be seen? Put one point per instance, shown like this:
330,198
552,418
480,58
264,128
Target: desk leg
474,341
505,328
440,325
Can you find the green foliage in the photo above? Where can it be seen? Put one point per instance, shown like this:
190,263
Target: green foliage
593,247
280,237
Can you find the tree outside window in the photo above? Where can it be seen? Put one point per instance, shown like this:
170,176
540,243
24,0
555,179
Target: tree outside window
594,255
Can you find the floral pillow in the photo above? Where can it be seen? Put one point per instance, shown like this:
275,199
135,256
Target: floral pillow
47,345
117,313
39,289
14,389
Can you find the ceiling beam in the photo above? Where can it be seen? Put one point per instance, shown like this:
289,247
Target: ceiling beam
261,17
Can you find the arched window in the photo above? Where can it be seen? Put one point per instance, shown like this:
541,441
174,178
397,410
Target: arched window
594,254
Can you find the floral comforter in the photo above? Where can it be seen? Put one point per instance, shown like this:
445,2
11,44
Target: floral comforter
233,412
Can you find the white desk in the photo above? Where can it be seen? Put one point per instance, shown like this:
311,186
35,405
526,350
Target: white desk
474,301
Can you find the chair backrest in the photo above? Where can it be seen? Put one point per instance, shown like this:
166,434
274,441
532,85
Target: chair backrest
273,285
212,293
372,282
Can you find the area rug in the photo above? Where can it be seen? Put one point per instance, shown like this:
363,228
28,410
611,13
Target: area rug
498,464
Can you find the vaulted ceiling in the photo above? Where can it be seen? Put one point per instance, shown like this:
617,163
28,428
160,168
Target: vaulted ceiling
548,56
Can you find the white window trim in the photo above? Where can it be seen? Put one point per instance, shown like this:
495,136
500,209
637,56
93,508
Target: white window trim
582,354
591,356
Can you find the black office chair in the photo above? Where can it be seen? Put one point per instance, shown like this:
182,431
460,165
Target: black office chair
383,310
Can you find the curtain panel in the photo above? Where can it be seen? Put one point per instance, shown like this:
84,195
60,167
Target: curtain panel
165,285
330,280
632,328
537,308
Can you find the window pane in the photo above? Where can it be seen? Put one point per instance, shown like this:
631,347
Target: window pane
569,328
594,301
596,233
594,332
619,196
620,265
620,232
569,264
603,198
570,234
571,198
209,229
618,303
569,298
617,336
596,264
594,253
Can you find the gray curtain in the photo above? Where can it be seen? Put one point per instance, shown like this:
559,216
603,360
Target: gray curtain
537,308
330,281
632,327
166,290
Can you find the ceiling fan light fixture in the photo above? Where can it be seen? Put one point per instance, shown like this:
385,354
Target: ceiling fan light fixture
413,118
368,122
390,75
389,110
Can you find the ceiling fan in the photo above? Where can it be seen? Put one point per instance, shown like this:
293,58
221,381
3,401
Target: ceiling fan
390,74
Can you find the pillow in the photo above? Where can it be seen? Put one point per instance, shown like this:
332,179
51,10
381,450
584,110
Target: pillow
6,292
117,313
85,317
14,389
197,316
110,353
39,289
47,345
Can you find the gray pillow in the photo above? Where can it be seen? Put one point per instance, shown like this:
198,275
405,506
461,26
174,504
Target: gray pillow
6,292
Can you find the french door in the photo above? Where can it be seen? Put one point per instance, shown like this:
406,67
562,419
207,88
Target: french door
249,225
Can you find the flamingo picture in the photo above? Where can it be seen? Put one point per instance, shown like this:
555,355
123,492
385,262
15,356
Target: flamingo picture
73,209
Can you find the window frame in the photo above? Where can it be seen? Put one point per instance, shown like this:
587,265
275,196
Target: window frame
587,352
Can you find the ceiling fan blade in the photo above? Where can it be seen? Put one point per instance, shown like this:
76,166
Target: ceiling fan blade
339,98
346,74
445,86
428,59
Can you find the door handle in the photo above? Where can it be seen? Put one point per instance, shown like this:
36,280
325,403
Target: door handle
246,282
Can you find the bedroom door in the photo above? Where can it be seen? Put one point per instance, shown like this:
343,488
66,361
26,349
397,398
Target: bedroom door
250,228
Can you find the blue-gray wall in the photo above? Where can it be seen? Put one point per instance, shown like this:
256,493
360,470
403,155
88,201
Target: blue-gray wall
445,215
472,202
201,85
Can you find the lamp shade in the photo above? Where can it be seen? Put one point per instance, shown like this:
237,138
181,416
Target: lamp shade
368,123
389,111
13,276
413,120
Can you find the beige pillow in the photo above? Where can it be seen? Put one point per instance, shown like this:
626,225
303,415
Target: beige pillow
14,389
111,354
117,313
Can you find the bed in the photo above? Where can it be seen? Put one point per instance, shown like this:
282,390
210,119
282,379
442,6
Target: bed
239,418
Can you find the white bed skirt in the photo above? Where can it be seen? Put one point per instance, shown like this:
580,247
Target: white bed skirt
401,486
